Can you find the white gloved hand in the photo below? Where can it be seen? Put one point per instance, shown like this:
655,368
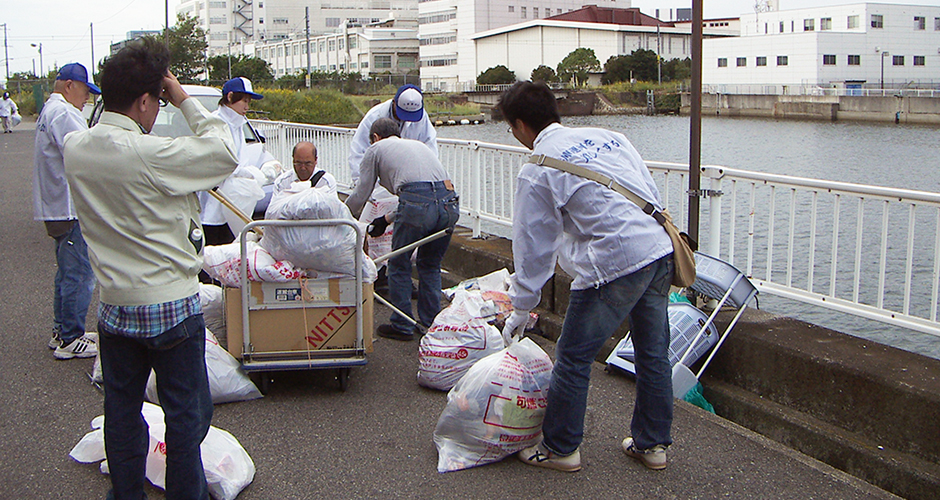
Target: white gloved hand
515,324
271,169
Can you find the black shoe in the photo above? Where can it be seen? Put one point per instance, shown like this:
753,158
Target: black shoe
389,332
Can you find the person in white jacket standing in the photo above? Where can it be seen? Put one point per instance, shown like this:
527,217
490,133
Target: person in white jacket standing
53,205
237,95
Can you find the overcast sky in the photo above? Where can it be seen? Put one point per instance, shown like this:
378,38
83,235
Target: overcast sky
64,28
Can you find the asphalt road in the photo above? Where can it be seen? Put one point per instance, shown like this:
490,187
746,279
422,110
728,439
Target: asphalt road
309,440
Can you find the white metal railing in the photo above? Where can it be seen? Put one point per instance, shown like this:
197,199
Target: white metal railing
817,90
869,251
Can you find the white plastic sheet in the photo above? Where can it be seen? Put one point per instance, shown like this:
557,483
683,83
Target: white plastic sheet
227,465
496,409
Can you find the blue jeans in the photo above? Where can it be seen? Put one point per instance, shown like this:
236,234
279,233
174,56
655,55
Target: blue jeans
424,208
178,356
74,284
593,316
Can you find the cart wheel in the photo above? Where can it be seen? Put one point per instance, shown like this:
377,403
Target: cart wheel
261,380
342,374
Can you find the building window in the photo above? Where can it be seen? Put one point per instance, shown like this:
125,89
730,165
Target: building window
920,23
829,59
765,28
512,8
762,60
439,17
782,60
407,62
535,12
855,60
216,5
877,21
217,20
353,43
353,65
280,51
897,60
340,44
322,46
919,60
365,64
852,22
559,12
280,20
382,62
809,24
296,50
936,24
825,24
781,26
522,10
332,22
332,45
722,62
741,62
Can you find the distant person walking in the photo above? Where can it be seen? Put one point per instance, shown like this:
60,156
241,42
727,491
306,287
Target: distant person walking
137,194
52,204
7,110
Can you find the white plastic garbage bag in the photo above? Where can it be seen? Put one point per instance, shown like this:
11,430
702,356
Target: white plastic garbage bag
227,382
227,465
221,262
459,337
243,189
213,308
375,208
15,119
328,250
496,409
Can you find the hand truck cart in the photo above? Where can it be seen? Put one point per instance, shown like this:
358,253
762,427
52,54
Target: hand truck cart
300,325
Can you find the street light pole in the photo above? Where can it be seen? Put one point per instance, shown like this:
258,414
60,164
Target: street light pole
883,54
40,58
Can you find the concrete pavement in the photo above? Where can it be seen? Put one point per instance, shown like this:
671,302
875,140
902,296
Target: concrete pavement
309,440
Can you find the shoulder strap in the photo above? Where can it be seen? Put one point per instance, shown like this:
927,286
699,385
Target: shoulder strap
601,179
316,178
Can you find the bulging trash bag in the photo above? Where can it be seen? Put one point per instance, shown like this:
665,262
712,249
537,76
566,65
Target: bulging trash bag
328,250
221,262
213,308
227,465
243,189
227,382
459,337
496,409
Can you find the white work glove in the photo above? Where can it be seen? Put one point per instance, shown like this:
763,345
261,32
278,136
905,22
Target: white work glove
271,169
515,325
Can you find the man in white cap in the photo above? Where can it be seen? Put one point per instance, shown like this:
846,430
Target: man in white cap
237,95
52,204
407,109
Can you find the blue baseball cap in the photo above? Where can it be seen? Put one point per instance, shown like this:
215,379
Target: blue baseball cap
240,84
76,72
409,103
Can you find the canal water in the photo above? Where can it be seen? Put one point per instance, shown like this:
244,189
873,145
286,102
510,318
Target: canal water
897,156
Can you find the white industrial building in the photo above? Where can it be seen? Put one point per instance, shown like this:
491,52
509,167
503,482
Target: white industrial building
525,46
387,47
855,46
243,21
446,30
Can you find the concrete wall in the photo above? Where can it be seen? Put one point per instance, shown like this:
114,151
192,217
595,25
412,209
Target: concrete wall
923,110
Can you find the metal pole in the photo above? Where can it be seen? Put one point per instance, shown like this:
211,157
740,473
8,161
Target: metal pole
883,72
307,30
92,68
166,30
659,59
695,136
6,53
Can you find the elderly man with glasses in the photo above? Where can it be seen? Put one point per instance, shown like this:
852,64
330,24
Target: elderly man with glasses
305,169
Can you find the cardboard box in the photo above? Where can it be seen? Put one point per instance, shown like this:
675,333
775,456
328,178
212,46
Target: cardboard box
299,316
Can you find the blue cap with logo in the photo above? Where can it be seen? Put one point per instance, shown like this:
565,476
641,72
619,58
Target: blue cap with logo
77,72
409,103
240,84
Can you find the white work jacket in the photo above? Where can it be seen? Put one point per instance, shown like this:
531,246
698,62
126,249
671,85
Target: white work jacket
421,130
52,199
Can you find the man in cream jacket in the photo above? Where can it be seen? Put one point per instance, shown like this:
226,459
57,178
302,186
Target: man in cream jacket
135,195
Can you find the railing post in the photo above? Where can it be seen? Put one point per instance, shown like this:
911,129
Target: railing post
714,209
477,189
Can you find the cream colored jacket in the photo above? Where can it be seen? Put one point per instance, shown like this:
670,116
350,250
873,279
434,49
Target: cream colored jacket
136,202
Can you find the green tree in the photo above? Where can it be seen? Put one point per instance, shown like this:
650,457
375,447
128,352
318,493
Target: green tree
543,74
253,68
496,75
577,65
616,69
677,69
643,63
187,43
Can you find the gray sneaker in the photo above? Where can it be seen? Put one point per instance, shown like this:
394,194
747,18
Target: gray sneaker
55,342
653,458
538,456
85,346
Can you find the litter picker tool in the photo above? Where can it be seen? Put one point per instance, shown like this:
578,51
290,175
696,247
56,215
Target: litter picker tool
405,249
231,206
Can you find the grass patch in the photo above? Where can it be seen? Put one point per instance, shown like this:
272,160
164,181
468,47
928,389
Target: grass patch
320,107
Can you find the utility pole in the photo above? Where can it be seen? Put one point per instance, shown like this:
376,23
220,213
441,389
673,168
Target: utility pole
92,68
307,30
659,59
166,29
695,129
6,53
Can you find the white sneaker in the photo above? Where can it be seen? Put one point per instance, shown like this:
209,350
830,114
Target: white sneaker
538,456
55,342
653,458
82,347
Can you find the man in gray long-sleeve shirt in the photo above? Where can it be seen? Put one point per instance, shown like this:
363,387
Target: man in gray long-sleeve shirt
427,204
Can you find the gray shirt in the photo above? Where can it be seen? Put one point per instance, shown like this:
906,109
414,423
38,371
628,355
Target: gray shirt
394,161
